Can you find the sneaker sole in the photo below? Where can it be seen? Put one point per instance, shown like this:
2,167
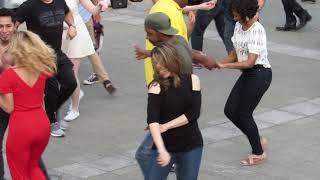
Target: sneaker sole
68,120
89,83
55,135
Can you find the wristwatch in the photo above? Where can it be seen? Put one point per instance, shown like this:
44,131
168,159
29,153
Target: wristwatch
72,25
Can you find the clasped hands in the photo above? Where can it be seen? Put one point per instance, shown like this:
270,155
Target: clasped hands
205,60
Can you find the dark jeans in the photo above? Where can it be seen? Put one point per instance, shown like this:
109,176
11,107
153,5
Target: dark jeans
4,121
203,19
292,7
244,98
229,24
60,87
187,169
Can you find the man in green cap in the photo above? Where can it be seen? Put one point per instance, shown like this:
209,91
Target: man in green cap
158,28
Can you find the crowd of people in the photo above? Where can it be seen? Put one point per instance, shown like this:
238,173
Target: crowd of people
40,68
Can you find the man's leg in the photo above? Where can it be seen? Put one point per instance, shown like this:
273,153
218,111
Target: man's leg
303,14
229,24
66,79
4,120
290,18
97,65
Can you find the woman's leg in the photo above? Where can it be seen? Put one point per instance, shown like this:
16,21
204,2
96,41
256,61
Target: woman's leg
189,164
155,171
18,156
243,99
256,84
75,95
36,150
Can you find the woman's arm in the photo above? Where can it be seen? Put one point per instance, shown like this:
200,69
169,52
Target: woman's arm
164,156
153,117
232,57
87,4
193,113
203,6
241,65
6,102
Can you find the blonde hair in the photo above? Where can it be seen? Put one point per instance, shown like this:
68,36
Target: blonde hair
166,55
31,52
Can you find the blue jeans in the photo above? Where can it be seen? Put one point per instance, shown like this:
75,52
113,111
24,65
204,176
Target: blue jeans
143,153
187,169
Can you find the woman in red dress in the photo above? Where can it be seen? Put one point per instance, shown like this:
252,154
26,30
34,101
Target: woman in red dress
21,95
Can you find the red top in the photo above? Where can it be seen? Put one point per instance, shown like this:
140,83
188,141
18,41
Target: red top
25,97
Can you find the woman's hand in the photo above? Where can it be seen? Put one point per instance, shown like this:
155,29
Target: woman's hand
103,5
208,5
220,65
163,158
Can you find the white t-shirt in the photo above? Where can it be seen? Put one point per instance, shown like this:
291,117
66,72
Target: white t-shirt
253,40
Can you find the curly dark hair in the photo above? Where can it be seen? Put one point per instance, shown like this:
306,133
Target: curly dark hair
245,8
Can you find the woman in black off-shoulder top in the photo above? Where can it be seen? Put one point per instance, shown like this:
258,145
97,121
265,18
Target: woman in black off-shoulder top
174,102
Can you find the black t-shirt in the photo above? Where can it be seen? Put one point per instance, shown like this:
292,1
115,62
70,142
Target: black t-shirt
172,103
46,20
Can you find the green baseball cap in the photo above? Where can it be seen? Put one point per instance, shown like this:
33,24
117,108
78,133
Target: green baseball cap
160,22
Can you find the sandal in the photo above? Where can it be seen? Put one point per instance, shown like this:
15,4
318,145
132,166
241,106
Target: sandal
109,87
253,160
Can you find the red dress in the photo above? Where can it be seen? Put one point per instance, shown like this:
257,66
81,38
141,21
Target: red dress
29,127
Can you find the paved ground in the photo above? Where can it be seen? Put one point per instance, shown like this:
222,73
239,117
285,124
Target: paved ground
100,145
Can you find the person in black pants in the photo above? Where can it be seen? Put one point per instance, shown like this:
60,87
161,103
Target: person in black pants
45,18
203,19
292,8
4,120
250,56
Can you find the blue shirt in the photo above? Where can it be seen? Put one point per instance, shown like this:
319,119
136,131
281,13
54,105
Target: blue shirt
84,13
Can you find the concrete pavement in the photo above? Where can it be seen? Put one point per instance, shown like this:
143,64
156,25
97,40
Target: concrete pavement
100,145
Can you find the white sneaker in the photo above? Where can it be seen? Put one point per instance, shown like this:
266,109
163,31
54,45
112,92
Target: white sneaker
64,125
80,97
56,131
72,115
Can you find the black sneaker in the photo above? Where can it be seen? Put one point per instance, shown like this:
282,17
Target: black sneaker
109,87
91,79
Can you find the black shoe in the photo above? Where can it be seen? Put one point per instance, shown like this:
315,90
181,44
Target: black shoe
313,1
173,168
109,87
287,27
304,19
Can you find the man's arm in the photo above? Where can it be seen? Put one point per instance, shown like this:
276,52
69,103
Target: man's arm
23,12
72,32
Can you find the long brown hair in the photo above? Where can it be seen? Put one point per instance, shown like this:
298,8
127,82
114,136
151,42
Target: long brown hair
166,55
31,52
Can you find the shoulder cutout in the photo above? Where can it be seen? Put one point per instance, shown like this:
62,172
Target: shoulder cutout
154,88
195,82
